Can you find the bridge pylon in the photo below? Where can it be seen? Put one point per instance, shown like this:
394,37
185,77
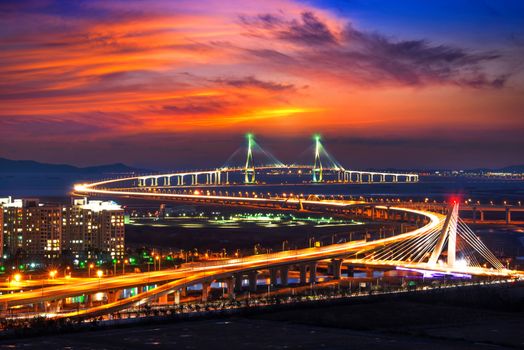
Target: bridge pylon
449,234
249,169
317,165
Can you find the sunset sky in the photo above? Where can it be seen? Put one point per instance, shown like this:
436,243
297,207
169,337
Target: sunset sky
173,84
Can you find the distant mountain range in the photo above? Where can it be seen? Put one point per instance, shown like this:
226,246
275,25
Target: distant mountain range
30,166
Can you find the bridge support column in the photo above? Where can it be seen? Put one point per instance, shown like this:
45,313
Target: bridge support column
238,282
336,267
481,215
313,272
284,274
162,300
206,288
230,283
508,215
273,276
350,271
252,281
303,274
39,307
113,296
177,297
88,300
56,306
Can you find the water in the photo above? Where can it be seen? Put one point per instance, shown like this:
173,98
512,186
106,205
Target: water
435,188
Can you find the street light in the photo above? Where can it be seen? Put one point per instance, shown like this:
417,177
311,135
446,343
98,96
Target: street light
52,274
17,277
99,273
89,269
124,262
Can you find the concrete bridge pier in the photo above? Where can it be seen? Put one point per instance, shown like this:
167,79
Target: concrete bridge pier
253,281
162,300
273,276
336,268
113,296
176,300
38,307
508,215
238,282
350,271
303,274
230,283
56,306
88,300
206,288
284,274
313,272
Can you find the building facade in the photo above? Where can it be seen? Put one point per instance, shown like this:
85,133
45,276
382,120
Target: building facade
84,229
93,227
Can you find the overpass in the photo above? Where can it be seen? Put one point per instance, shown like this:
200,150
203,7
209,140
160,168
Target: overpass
420,249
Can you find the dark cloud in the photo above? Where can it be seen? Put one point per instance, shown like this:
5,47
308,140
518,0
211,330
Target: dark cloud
43,127
196,107
309,30
254,82
371,58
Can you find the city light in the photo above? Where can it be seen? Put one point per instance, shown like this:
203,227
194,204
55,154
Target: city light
17,277
242,157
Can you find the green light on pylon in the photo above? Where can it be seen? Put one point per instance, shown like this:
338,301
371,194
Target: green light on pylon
249,170
317,166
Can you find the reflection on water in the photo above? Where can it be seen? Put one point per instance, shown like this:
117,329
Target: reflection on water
438,188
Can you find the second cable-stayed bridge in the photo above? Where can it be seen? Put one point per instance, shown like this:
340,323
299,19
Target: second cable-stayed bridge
249,164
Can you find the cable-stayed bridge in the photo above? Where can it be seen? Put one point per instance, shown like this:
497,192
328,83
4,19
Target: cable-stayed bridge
247,164
441,244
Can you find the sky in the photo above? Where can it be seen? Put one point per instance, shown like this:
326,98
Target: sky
176,84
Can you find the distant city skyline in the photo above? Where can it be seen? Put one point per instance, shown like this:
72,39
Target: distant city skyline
161,84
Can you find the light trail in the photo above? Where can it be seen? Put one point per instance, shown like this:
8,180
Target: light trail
172,280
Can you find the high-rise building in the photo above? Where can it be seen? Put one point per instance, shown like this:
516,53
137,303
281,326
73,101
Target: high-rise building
30,228
93,227
86,229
